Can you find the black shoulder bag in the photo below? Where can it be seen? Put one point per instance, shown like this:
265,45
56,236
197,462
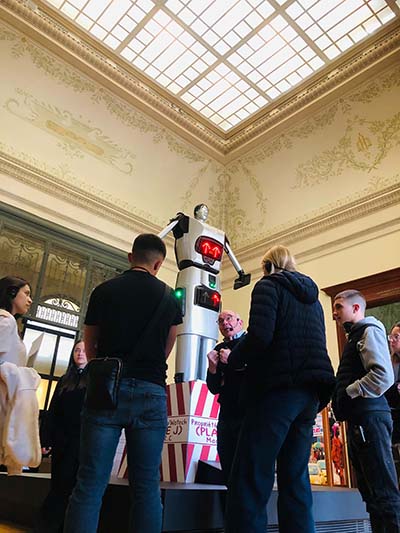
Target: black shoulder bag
104,373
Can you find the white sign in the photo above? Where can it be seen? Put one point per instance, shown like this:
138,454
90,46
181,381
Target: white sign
177,430
203,430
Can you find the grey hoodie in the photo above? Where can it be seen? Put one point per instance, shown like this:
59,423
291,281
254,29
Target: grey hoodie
375,356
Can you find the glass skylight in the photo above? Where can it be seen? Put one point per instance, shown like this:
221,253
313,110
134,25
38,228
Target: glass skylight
227,59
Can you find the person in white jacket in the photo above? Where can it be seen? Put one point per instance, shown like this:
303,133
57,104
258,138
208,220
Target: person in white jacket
15,299
19,418
19,409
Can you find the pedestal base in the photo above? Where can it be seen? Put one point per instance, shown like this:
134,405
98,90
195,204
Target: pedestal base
192,430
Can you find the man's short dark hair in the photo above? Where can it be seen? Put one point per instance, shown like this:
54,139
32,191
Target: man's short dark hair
353,296
148,247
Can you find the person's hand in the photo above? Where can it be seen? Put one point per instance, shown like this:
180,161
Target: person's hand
46,451
212,361
224,355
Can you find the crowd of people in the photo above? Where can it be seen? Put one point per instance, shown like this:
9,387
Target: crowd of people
272,379
286,378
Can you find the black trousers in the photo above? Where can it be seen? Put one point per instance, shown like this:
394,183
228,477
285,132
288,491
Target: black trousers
228,437
371,456
64,468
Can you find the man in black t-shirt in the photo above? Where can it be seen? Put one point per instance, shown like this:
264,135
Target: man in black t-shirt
118,313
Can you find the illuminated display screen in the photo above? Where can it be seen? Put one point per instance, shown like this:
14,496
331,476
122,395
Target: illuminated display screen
180,295
209,249
208,298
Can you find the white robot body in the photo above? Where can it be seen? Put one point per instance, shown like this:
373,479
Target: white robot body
198,333
198,249
201,245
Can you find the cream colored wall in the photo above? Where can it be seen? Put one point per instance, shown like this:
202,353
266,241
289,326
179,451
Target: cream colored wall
80,156
346,151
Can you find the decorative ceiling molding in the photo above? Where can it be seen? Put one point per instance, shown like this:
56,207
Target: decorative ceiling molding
321,250
74,46
92,203
49,184
334,218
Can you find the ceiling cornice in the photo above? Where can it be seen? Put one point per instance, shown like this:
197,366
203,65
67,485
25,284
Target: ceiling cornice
333,218
74,46
295,232
47,183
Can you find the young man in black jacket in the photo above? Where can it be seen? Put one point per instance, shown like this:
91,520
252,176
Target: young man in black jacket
365,373
227,383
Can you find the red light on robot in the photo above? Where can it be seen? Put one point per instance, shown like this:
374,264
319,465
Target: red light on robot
206,297
209,248
216,298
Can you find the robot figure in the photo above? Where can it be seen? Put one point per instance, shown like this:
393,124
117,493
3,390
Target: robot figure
198,251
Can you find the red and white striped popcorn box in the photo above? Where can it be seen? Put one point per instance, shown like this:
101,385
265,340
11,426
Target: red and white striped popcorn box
192,430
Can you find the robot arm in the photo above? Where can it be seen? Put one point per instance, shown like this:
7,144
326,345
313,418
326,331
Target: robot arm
243,279
172,223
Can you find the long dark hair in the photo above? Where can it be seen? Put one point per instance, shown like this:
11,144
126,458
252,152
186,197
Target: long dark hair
73,378
9,288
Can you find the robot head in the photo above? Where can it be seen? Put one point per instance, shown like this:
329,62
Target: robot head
201,212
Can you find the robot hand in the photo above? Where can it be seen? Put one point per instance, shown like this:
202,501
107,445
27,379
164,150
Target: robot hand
178,216
242,280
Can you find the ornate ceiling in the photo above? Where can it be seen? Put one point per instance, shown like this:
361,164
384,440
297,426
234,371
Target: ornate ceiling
223,74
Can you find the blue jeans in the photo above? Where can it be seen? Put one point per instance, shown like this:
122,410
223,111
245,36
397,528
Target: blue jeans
276,428
371,456
142,413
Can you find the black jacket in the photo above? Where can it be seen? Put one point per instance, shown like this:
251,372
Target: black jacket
351,368
227,382
60,428
285,345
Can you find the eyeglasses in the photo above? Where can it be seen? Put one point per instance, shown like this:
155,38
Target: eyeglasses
228,319
394,337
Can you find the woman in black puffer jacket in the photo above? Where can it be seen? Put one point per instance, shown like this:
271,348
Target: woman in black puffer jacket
289,378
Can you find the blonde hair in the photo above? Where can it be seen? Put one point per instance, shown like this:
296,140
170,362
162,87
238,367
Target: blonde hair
280,257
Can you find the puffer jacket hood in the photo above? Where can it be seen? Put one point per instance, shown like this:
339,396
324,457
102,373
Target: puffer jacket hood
301,286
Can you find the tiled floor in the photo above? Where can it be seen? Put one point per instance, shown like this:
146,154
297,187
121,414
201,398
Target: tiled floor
6,527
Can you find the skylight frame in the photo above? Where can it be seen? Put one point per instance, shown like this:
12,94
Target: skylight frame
253,79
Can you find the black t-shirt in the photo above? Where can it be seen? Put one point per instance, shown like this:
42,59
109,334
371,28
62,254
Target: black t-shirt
121,308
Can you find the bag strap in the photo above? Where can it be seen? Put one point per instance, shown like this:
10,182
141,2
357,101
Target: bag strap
154,319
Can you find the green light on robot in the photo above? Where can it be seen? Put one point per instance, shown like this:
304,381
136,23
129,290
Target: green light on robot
213,284
179,293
